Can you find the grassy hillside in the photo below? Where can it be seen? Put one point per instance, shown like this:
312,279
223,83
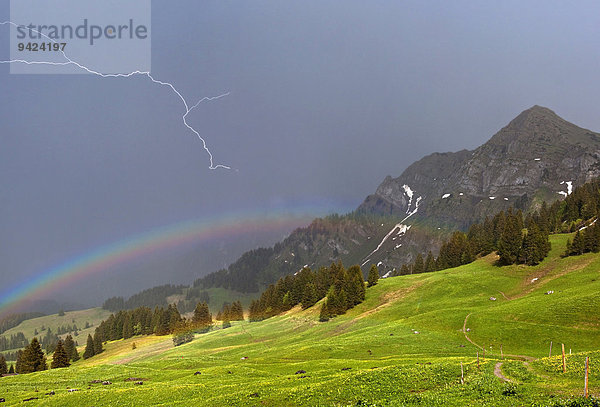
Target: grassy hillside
93,316
403,346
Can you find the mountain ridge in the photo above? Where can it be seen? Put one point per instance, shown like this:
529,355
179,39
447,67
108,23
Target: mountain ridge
536,157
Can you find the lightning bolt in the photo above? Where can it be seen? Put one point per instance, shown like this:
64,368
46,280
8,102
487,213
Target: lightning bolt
147,74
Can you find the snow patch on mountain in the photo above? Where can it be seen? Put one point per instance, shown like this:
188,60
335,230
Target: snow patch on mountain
409,193
400,227
569,188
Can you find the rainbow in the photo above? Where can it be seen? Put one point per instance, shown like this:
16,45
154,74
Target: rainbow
163,238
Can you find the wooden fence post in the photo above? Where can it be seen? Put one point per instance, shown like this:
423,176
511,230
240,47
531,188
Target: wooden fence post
484,354
477,360
587,364
501,354
563,358
462,375
550,353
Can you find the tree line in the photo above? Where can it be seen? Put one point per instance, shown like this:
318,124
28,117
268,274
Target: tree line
586,240
33,359
516,240
233,312
15,341
12,320
151,297
344,288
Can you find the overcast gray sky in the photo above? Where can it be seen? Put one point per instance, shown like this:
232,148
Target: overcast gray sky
326,99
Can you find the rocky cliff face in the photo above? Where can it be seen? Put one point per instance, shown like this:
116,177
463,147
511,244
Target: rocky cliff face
538,156
536,153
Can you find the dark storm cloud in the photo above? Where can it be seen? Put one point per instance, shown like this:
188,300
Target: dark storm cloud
327,98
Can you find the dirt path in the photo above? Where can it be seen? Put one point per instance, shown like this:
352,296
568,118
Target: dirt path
498,372
504,295
465,332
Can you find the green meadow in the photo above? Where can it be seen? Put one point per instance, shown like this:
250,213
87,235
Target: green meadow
92,316
404,345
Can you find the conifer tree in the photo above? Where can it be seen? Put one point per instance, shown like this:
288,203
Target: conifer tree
12,369
19,361
325,313
3,367
357,283
404,270
373,276
226,314
578,245
511,240
254,311
174,317
33,359
127,327
342,302
237,311
71,349
202,317
419,265
60,357
97,342
89,348
309,295
429,263
286,302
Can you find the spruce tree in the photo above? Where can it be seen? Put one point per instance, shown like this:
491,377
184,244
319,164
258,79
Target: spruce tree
97,342
127,327
71,349
325,314
174,317
12,369
237,311
354,287
529,250
202,317
286,302
404,270
510,241
309,295
578,245
342,302
3,367
19,361
33,358
359,284
254,311
429,263
60,357
89,348
69,346
419,265
373,276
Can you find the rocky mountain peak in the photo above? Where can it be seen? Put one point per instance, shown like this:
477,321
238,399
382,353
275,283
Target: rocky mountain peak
537,128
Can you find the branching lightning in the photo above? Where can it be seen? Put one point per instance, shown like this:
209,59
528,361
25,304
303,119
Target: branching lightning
147,74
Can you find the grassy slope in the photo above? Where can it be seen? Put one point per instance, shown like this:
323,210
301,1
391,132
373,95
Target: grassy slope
93,315
390,365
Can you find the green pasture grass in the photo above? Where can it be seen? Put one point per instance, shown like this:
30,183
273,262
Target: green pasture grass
403,345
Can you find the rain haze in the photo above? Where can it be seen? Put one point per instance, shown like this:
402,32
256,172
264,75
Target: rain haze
325,99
